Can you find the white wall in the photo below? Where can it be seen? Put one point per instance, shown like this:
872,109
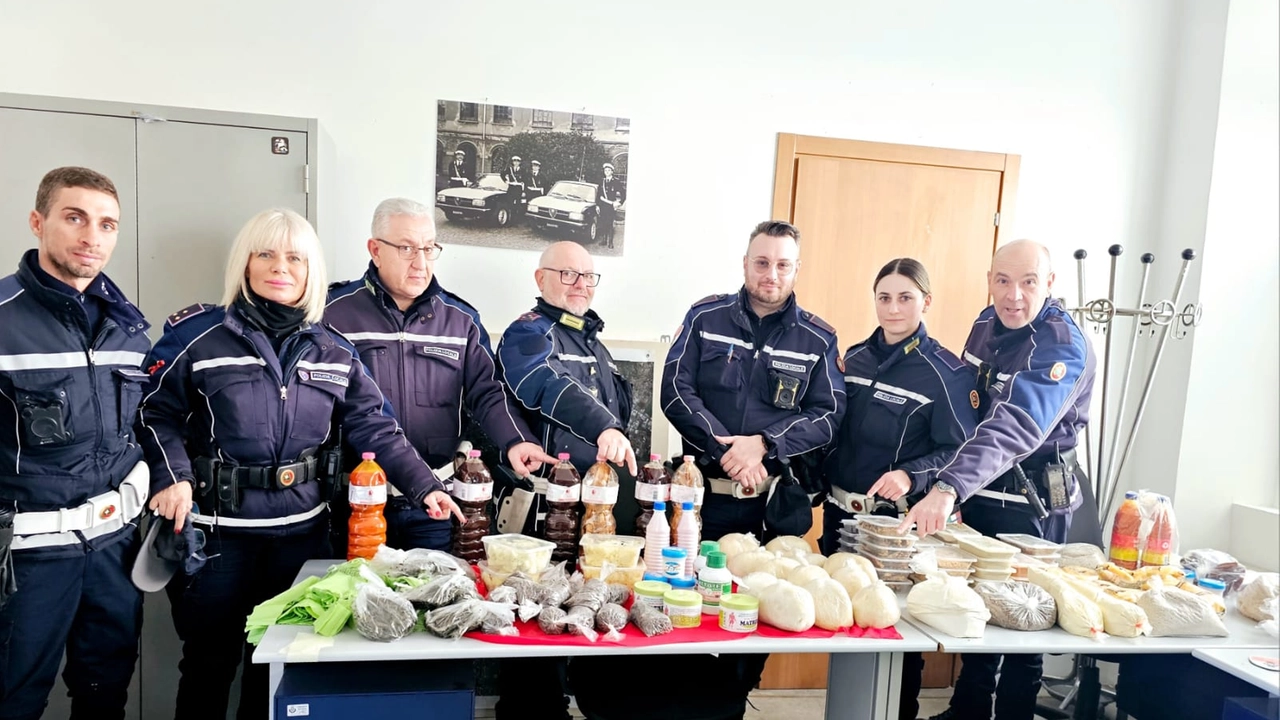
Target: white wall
1099,97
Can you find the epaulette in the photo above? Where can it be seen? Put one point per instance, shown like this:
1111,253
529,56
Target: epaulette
471,309
949,359
9,287
817,321
710,298
189,312
531,316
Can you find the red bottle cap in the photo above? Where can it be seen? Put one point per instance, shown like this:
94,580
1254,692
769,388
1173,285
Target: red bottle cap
564,457
367,456
473,453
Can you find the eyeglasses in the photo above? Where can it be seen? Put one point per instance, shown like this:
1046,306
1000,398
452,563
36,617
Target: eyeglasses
785,267
410,252
569,277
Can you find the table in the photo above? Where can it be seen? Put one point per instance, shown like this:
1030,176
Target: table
863,682
1236,662
1244,636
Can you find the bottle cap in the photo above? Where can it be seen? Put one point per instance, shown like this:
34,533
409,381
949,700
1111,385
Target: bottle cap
473,453
687,458
1131,495
564,457
715,559
655,457
655,577
686,506
708,546
367,456
1210,584
682,583
659,506
1190,575
673,552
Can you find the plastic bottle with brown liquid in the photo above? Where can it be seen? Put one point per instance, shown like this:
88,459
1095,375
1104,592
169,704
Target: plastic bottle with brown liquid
599,495
564,490
472,490
686,486
653,485
367,494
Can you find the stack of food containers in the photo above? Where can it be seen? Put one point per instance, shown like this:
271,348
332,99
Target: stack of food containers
621,553
995,558
952,533
951,560
1034,551
510,553
888,550
849,535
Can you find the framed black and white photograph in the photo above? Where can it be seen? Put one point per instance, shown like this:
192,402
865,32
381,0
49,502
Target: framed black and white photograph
523,178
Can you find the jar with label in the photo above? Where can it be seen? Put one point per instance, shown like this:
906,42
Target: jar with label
714,582
673,563
739,613
651,592
564,489
684,607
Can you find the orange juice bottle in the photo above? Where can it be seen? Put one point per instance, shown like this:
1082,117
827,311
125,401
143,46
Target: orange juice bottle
1156,549
367,528
1124,532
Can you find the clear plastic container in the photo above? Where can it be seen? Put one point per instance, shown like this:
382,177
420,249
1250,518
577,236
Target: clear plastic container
953,532
620,550
493,578
991,575
1030,544
929,541
884,531
900,586
887,563
950,558
511,552
869,547
1022,564
994,564
985,547
893,576
620,575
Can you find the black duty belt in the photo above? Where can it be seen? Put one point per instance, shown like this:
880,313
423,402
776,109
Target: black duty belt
214,473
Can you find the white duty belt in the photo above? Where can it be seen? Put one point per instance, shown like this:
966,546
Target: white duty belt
720,486
101,515
858,503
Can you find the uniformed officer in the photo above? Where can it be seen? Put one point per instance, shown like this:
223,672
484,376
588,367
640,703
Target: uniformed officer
537,185
1018,472
514,176
908,411
70,369
430,355
459,176
579,403
612,194
240,399
752,384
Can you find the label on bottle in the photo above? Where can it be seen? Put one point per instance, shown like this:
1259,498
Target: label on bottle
684,493
711,593
473,492
367,494
561,493
600,494
648,492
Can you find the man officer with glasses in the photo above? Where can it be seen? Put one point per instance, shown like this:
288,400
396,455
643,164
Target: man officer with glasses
578,403
428,352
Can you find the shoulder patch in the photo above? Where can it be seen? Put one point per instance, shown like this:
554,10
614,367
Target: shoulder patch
710,298
818,322
531,316
949,359
189,312
1058,371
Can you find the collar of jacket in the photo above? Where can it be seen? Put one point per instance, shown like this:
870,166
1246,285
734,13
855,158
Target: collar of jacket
899,350
789,314
1003,338
591,322
373,281
236,323
116,305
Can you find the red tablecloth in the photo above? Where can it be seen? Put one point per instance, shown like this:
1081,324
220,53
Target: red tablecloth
531,634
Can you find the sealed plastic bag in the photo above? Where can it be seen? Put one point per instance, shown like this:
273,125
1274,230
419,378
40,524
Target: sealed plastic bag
1257,598
381,614
580,620
649,620
610,621
594,594
1085,555
1120,617
619,593
948,604
550,620
1018,605
1177,613
1216,565
499,618
442,591
787,607
525,587
417,562
1077,614
454,621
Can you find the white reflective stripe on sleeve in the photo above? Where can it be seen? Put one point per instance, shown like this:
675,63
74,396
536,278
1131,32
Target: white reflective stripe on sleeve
808,357
973,360
225,361
323,367
221,521
44,361
118,357
866,382
725,339
576,358
361,336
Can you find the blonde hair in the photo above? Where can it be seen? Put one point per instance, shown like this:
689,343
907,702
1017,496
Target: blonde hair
281,230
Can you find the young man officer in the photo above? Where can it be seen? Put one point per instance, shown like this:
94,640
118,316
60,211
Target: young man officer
70,367
430,355
753,384
580,404
1018,472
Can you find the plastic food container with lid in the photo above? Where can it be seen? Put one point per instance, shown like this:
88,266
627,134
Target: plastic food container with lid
493,578
950,558
985,547
628,576
512,552
684,607
620,550
884,530
887,563
893,576
899,586
739,613
991,575
929,541
1030,544
869,547
953,532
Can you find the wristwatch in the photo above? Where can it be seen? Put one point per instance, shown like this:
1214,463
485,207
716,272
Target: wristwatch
941,486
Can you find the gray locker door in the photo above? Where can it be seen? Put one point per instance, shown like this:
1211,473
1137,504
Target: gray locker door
32,143
198,185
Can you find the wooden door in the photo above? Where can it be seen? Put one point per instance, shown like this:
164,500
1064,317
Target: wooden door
857,206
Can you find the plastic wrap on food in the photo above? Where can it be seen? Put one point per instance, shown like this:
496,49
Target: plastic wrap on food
555,573
526,589
442,591
1216,565
554,594
650,621
593,595
417,562
504,594
454,621
550,620
1257,600
1085,555
576,581
580,620
1177,613
610,621
381,614
499,618
1018,605
618,593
